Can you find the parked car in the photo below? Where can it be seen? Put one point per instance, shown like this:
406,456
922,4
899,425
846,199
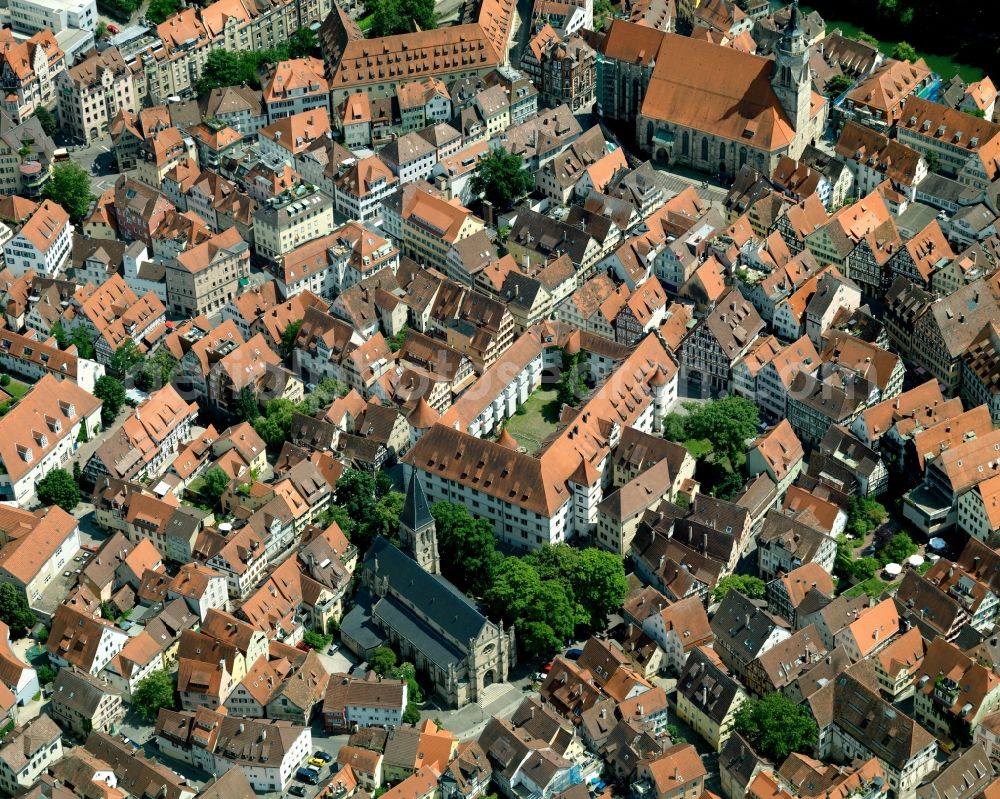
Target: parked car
321,755
113,29
573,654
315,761
538,676
297,790
332,650
309,774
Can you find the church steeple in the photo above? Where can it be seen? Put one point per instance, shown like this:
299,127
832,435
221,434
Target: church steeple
792,79
417,531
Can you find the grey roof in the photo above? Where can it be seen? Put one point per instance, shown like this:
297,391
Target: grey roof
416,513
739,759
708,687
444,605
965,777
357,624
78,691
395,616
742,625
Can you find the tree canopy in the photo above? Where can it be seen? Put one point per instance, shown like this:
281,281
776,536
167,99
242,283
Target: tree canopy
46,120
746,584
125,357
15,612
155,372
382,660
112,394
152,693
69,186
288,336
776,726
897,549
540,610
864,515
728,423
904,51
158,10
276,423
59,488
502,179
466,546
215,484
400,16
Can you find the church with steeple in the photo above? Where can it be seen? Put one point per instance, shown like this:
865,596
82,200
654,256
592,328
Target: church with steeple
714,108
406,604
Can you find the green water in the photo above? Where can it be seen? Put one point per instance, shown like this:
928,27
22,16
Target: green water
943,65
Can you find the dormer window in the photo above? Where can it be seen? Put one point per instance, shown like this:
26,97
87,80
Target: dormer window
26,453
40,438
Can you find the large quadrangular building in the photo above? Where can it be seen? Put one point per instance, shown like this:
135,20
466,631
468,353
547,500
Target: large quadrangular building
405,602
707,107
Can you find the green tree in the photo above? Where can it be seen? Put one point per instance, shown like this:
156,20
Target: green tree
126,356
152,693
119,9
776,726
343,520
303,43
276,423
69,186
108,611
158,10
215,484
975,112
222,68
933,161
46,674
599,584
412,714
245,405
864,515
897,549
77,471
288,337
864,569
355,493
382,660
400,16
837,85
102,30
728,423
112,394
84,344
675,427
502,179
15,612
746,584
408,672
384,521
396,342
572,386
867,39
46,120
603,13
466,546
904,51
155,371
541,610
59,488
316,640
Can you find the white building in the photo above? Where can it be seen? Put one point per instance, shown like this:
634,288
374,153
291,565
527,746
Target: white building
40,433
43,243
31,16
26,754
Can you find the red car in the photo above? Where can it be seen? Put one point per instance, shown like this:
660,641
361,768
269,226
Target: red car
113,29
546,668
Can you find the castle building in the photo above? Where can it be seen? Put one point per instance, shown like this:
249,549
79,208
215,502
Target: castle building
405,603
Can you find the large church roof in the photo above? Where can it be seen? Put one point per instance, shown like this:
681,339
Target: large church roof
717,90
443,604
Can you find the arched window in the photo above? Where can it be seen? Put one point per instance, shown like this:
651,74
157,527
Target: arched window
649,130
685,143
704,149
743,155
722,151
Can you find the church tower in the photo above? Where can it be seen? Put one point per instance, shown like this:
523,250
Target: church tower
417,531
792,80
